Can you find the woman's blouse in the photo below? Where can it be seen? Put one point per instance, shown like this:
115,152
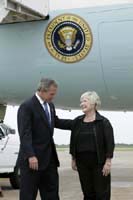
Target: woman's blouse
86,138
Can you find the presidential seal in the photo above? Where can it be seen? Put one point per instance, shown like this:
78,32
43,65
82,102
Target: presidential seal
68,38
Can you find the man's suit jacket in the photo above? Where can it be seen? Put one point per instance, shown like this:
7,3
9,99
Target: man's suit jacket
36,135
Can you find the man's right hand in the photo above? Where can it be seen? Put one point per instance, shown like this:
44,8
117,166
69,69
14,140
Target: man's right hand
74,166
33,163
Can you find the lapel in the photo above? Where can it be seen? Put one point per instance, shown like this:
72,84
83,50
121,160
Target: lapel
41,111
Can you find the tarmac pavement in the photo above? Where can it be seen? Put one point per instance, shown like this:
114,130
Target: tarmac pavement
122,179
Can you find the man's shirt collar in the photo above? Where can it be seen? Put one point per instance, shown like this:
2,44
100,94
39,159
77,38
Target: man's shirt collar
39,99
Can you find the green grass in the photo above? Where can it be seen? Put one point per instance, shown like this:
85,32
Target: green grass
62,149
124,149
116,149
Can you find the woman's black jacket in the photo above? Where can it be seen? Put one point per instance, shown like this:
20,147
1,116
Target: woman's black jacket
104,136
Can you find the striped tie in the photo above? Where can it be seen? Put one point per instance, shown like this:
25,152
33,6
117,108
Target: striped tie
47,112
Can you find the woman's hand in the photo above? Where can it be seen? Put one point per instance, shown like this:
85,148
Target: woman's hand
107,167
74,166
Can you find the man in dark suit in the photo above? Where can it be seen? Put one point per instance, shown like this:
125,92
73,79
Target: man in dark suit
37,157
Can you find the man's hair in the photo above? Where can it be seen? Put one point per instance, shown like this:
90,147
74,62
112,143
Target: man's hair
45,84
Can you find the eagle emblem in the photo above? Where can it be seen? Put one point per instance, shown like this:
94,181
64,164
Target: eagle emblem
68,38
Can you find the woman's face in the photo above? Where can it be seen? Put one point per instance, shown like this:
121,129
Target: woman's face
86,105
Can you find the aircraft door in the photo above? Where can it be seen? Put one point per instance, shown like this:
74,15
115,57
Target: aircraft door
116,52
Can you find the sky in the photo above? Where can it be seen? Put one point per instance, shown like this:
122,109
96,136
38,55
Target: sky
121,121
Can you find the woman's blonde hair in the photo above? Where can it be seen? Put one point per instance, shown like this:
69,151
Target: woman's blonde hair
93,98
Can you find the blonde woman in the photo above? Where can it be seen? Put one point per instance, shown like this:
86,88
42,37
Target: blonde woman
91,147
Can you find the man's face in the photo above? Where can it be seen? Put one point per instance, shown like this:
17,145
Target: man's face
50,94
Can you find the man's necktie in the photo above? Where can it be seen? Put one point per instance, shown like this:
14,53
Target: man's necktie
47,112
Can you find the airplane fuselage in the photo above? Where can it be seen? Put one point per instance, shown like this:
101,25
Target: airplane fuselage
107,69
